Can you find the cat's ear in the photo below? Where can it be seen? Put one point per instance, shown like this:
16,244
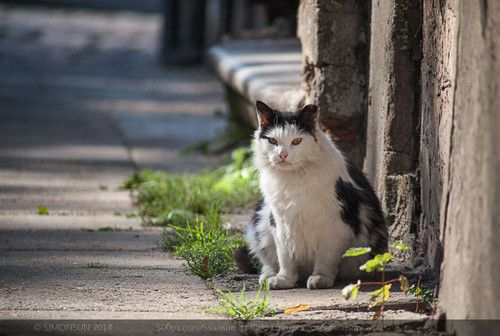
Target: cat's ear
265,114
309,115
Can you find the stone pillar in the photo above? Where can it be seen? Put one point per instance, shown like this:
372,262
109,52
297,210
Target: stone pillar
393,112
439,48
239,15
334,37
470,285
182,31
215,22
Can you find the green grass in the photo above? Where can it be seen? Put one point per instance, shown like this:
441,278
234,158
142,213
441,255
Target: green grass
42,210
206,247
425,294
242,308
170,199
193,205
127,214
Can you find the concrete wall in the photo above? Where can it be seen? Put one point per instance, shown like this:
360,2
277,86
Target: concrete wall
393,113
334,36
470,285
440,27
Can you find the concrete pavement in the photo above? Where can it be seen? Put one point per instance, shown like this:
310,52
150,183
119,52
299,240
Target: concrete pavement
82,104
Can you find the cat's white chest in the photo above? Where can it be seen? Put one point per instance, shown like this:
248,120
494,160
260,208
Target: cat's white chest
296,200
293,203
305,212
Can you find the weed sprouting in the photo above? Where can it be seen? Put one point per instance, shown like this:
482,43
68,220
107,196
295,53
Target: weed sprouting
377,264
242,308
206,247
42,210
192,205
428,296
167,199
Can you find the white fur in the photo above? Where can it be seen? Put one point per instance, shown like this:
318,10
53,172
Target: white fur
310,237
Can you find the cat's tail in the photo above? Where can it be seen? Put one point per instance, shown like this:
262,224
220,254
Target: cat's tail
244,260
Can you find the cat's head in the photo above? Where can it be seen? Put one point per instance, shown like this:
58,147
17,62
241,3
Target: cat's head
286,140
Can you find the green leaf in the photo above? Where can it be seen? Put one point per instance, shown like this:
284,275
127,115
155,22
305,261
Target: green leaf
42,210
387,291
357,251
374,297
380,295
405,284
386,257
375,264
400,246
350,292
414,290
426,294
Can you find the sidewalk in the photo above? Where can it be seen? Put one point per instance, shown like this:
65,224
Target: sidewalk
81,105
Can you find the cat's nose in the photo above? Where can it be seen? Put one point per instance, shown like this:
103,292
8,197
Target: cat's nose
283,154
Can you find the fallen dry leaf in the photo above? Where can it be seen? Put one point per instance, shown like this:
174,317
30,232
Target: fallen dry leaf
297,308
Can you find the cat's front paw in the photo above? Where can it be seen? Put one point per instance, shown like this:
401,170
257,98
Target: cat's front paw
264,276
319,282
280,282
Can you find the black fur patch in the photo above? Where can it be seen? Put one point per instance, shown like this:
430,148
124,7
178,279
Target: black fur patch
350,198
377,228
281,119
256,218
246,263
256,215
271,220
244,260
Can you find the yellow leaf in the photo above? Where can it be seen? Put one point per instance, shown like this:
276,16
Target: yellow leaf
297,308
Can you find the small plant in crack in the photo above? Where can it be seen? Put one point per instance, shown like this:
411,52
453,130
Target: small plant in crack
42,210
242,308
206,247
377,264
424,295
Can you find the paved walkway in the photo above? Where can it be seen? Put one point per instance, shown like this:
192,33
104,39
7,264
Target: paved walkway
82,104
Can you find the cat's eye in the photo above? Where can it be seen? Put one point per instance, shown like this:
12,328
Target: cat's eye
272,141
296,141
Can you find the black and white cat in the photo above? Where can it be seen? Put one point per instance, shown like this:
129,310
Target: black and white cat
315,205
